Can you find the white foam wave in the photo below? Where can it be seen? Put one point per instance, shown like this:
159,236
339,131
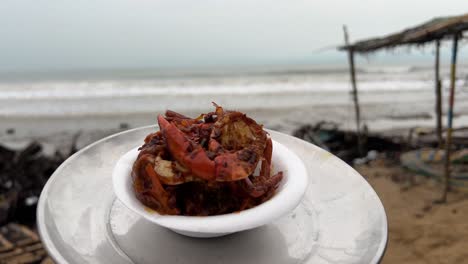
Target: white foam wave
82,90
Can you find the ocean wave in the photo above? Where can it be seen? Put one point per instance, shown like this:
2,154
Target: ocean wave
68,90
131,96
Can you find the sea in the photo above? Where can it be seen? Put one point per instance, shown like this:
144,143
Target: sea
390,96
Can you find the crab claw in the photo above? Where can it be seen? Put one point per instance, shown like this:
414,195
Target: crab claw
190,155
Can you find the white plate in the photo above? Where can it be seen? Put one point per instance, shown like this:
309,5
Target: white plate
288,196
339,220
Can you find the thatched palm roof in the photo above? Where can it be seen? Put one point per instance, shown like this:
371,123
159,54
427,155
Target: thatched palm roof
434,29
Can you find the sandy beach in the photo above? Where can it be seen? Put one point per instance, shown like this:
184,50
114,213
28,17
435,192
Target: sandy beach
420,231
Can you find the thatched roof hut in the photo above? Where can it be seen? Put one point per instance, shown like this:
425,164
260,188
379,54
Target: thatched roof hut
436,30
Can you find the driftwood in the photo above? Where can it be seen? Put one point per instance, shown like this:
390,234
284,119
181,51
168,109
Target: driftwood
23,174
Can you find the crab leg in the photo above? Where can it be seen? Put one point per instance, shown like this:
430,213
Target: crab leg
189,155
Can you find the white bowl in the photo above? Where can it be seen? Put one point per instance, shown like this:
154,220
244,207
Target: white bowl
288,196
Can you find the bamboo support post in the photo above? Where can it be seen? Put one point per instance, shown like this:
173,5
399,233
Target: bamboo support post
352,72
438,94
448,141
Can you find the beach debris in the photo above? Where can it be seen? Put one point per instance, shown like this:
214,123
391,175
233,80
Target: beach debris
344,144
371,155
460,157
430,162
428,137
124,126
23,174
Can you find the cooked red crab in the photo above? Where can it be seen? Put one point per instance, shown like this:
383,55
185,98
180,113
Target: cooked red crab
205,166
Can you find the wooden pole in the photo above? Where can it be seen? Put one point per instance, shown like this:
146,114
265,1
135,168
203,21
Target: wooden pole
448,141
352,72
438,90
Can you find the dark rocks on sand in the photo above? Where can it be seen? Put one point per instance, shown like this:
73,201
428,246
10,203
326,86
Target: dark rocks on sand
23,174
344,144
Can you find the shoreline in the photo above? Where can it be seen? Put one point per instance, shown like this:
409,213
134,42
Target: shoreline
57,131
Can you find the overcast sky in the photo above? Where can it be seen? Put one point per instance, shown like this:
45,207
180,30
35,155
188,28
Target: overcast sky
67,34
